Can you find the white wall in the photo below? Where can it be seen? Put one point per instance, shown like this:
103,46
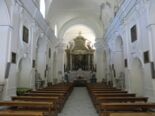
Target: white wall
14,15
100,60
131,13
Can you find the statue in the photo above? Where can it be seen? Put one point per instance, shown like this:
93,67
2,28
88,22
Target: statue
66,77
79,73
93,78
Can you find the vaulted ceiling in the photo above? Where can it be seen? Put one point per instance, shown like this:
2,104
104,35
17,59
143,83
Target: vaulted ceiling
95,14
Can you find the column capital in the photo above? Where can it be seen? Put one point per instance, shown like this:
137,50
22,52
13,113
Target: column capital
61,47
99,44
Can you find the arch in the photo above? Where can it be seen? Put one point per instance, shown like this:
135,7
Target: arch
74,30
118,59
41,56
118,55
92,24
137,79
119,43
54,64
40,42
24,71
4,14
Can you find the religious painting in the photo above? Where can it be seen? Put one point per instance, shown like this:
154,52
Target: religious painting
33,63
13,57
152,70
126,63
146,57
25,34
134,33
7,70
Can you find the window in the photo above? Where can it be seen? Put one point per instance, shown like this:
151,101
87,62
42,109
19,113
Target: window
134,33
55,30
13,57
25,34
49,54
146,57
42,7
33,64
126,63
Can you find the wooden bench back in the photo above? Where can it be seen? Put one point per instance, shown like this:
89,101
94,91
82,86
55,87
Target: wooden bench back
21,113
126,106
115,95
122,99
98,92
128,114
44,94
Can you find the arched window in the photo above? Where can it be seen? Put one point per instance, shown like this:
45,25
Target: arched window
42,7
56,30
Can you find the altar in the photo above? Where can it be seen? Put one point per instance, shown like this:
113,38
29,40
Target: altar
74,75
79,55
79,60
80,83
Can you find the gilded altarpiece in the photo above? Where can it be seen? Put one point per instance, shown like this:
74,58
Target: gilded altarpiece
80,55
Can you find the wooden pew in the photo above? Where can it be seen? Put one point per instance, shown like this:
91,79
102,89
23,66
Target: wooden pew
107,95
114,94
38,103
95,96
105,108
42,91
66,89
130,114
103,89
122,99
20,113
61,96
109,91
46,107
100,100
63,90
58,91
54,100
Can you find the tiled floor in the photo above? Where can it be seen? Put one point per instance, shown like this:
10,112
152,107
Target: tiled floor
79,104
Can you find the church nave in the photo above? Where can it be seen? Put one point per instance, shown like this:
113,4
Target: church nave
103,50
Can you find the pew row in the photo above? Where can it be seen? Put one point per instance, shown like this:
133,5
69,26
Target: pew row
47,108
56,101
129,114
107,108
21,113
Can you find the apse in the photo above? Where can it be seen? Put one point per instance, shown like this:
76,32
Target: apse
81,29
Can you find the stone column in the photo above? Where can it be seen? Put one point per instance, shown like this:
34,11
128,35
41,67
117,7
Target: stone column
151,30
70,61
88,61
60,61
152,40
100,61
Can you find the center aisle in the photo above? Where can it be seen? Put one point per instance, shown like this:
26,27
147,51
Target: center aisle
79,104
